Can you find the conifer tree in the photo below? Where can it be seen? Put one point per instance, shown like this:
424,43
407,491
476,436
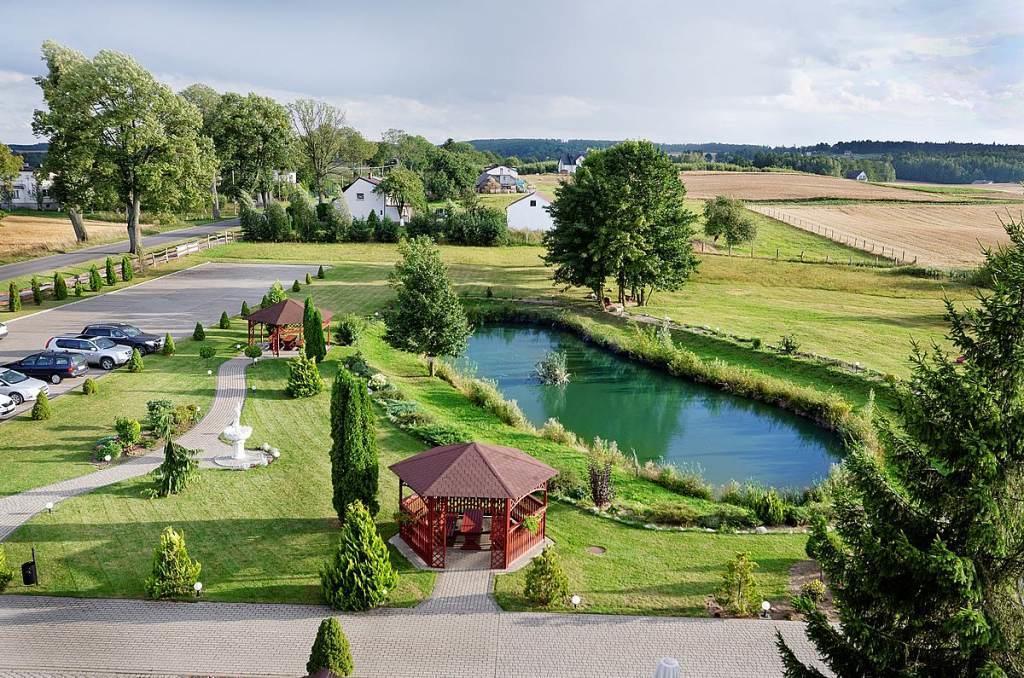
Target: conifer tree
127,272
169,347
37,291
545,581
13,297
60,287
245,309
135,363
360,575
927,556
225,321
309,279
304,378
296,287
178,469
109,270
330,650
313,332
79,287
320,272
199,334
354,450
41,409
95,282
174,573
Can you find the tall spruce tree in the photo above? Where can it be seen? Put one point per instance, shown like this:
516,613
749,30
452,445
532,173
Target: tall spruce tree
313,332
354,452
927,557
359,576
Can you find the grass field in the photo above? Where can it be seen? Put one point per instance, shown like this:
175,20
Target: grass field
946,236
793,186
984,191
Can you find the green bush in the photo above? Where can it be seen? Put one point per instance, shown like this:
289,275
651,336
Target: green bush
276,294
6,572
738,591
127,271
279,224
177,471
788,344
569,484
37,291
174,573
356,364
388,231
160,417
320,272
135,363
245,310
350,326
254,351
360,575
107,446
185,417
545,582
41,410
89,386
225,322
296,287
207,351
199,334
304,378
169,347
438,435
129,432
109,271
60,287
770,509
95,282
79,288
330,650
13,297
309,279
756,343
813,590
671,513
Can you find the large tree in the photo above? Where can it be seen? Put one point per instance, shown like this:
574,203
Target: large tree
354,449
926,560
622,217
404,188
125,134
425,316
206,98
253,137
322,139
726,217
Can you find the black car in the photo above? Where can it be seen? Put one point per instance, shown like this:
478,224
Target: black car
52,366
126,335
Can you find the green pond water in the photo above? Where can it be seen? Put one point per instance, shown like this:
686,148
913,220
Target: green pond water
723,436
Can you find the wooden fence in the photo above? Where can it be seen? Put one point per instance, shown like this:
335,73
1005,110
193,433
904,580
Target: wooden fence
149,259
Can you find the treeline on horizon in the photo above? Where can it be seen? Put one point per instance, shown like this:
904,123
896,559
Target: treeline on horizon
938,162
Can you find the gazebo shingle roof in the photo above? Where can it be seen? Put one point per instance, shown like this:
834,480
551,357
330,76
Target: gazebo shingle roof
287,312
473,470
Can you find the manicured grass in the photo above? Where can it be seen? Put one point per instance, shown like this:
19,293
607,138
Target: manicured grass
261,535
37,453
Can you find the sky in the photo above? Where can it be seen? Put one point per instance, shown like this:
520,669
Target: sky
759,72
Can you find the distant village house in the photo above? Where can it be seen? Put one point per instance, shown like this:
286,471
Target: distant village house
499,179
530,213
568,163
362,199
857,175
27,193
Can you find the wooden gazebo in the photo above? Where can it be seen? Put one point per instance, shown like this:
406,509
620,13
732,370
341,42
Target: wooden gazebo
283,322
472,491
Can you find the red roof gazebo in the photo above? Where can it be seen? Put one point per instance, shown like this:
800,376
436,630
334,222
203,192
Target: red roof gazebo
472,490
284,322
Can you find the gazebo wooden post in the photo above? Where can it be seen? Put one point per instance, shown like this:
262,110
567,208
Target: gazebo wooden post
500,518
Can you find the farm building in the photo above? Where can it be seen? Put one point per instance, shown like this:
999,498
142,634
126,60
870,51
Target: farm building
362,198
27,193
530,213
857,175
499,179
569,162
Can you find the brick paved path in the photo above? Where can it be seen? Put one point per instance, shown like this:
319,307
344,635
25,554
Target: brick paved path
19,508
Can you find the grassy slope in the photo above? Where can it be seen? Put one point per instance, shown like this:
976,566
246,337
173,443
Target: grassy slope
260,535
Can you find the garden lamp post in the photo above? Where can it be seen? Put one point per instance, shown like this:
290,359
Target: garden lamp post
49,507
575,600
766,609
198,588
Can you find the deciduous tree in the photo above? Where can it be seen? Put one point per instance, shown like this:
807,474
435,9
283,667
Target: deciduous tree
404,188
253,137
205,98
321,139
726,217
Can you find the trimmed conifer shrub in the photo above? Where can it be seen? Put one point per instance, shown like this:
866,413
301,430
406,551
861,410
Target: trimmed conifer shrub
13,297
353,453
313,332
320,272
360,575
135,363
127,271
7,574
309,279
225,321
89,386
330,650
95,282
199,334
41,410
37,291
296,286
177,471
169,347
304,378
60,287
738,591
79,287
174,573
545,581
265,302
245,310
109,271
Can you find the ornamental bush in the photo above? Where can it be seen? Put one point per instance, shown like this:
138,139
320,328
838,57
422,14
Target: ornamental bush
330,650
95,282
41,410
135,363
174,573
129,432
89,386
127,271
360,575
304,378
177,471
109,271
276,293
738,591
37,291
13,297
320,272
206,352
545,582
169,347
245,310
225,322
254,351
350,326
309,279
770,508
199,334
296,287
79,287
6,573
60,287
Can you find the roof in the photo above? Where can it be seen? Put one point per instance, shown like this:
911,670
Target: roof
287,312
570,158
528,195
372,180
473,470
853,174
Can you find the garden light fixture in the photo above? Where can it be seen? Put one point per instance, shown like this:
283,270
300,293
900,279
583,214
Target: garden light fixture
209,372
107,458
576,600
766,609
49,507
198,588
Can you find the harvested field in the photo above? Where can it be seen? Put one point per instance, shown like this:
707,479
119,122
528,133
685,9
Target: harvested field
1005,191
945,236
20,234
793,186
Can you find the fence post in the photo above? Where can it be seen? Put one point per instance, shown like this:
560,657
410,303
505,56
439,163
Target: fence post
776,254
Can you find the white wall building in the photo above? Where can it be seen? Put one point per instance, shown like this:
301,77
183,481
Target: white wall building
505,180
362,200
530,212
26,193
568,163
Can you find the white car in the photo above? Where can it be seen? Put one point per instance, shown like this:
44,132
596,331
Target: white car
3,330
7,405
20,388
98,351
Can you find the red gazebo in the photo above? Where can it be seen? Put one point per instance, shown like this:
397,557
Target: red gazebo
472,491
284,323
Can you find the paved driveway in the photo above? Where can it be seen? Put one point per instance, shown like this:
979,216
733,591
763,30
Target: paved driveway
56,261
173,303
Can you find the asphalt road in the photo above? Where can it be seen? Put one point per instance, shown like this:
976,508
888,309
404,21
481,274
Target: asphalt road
56,261
172,303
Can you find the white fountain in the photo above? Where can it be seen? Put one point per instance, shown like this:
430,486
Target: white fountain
236,435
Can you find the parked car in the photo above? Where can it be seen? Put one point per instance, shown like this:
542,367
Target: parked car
126,335
20,388
3,330
98,351
52,366
7,405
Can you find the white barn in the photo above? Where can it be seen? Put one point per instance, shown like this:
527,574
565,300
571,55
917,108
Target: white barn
530,213
362,199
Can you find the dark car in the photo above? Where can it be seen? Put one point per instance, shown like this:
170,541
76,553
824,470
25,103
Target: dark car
52,366
126,335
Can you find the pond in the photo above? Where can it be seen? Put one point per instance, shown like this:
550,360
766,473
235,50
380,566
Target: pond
723,436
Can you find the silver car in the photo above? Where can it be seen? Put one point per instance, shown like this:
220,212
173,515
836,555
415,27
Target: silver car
20,388
98,351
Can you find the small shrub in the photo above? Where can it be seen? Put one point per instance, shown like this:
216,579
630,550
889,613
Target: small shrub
185,417
309,279
159,416
89,386
296,287
254,351
738,591
127,271
95,282
552,369
245,310
13,297
320,272
602,488
225,322
199,334
569,484
671,513
174,573
207,351
770,509
545,582
438,435
685,483
788,344
330,650
129,432
377,382
350,326
135,363
360,575
108,446
6,572
41,410
554,431
169,347
356,364
108,267
276,293
304,378
79,288
60,287
813,590
37,291
755,343
489,293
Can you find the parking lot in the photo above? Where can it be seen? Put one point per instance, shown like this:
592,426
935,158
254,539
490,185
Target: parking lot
173,303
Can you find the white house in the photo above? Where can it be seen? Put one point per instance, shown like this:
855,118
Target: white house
498,179
29,194
569,162
857,175
362,199
530,213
